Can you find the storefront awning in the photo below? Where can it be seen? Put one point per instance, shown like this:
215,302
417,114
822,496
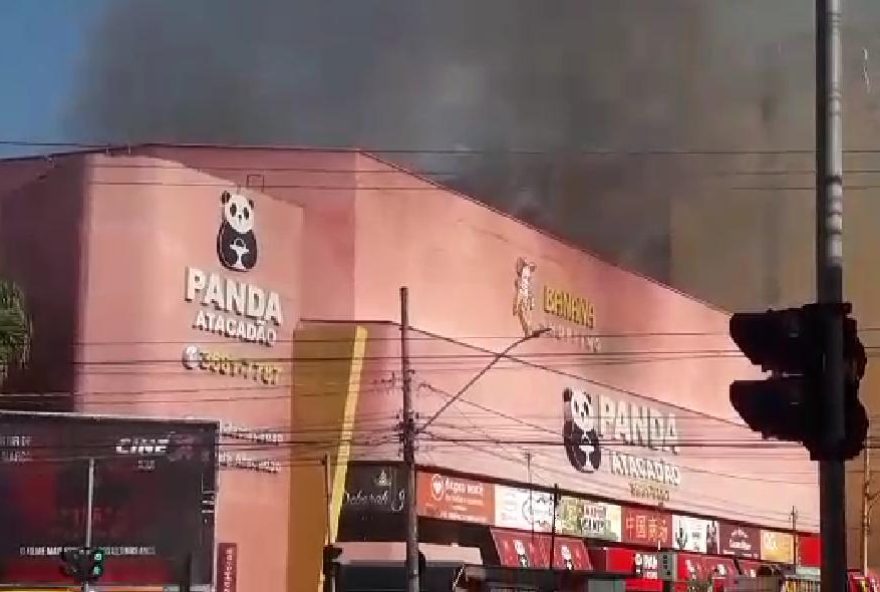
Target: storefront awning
532,550
385,552
702,567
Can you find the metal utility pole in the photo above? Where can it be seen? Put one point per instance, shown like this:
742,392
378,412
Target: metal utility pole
829,283
408,435
794,536
553,522
90,503
868,499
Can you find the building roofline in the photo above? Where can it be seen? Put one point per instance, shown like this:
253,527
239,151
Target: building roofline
84,149
543,232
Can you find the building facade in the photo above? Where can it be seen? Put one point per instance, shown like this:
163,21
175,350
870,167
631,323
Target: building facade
260,287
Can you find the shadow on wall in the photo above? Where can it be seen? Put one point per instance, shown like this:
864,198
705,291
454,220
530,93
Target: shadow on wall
40,250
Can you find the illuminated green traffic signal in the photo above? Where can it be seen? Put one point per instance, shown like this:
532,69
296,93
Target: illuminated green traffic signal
96,563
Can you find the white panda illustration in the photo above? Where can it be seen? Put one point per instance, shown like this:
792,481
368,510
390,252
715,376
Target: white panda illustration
236,241
567,559
521,555
579,432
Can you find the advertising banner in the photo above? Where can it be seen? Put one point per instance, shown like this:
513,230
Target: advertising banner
588,519
523,509
777,546
645,527
452,498
154,498
694,534
373,488
742,541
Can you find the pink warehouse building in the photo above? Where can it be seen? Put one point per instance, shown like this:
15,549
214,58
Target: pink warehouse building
260,287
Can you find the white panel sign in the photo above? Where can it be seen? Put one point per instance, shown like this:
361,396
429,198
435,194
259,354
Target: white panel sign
694,534
523,509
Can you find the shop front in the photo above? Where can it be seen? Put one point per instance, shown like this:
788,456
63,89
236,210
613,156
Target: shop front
500,525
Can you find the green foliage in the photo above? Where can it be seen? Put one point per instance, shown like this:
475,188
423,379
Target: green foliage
15,328
700,585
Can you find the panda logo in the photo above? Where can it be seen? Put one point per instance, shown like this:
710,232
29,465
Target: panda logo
579,432
236,241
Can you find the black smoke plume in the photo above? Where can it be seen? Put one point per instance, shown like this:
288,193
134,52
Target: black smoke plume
492,77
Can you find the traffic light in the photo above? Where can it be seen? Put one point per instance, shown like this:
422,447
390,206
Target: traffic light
667,568
789,405
95,564
83,564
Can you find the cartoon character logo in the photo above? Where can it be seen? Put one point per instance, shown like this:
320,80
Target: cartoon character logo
579,434
524,300
521,556
236,241
567,559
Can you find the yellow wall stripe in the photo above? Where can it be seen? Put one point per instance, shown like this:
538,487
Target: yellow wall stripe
343,452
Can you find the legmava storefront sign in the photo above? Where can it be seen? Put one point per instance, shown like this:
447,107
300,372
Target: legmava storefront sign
638,442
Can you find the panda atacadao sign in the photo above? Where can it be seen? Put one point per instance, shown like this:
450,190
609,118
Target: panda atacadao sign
229,307
602,433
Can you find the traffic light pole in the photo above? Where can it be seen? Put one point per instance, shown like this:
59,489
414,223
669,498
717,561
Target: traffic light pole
829,284
90,503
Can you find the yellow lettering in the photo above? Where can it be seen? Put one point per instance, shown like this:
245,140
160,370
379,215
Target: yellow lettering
566,306
548,299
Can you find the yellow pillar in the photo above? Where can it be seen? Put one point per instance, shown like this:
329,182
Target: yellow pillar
328,360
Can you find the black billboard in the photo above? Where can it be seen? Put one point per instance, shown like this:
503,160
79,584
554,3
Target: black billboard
153,505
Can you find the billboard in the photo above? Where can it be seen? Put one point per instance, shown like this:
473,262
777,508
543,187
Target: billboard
153,506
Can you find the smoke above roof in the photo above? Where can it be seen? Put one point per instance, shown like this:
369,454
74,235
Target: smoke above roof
490,77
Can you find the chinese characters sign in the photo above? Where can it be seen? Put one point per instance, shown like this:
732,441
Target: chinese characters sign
645,527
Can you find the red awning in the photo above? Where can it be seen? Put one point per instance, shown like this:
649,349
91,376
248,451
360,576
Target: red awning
519,549
719,567
691,566
570,554
525,549
628,561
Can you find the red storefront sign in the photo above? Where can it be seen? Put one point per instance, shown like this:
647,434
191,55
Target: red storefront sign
451,498
645,527
524,549
809,550
628,561
742,541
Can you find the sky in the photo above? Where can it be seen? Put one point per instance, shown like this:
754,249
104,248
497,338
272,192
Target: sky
41,45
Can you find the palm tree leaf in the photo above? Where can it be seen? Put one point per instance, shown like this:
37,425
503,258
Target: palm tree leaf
15,328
